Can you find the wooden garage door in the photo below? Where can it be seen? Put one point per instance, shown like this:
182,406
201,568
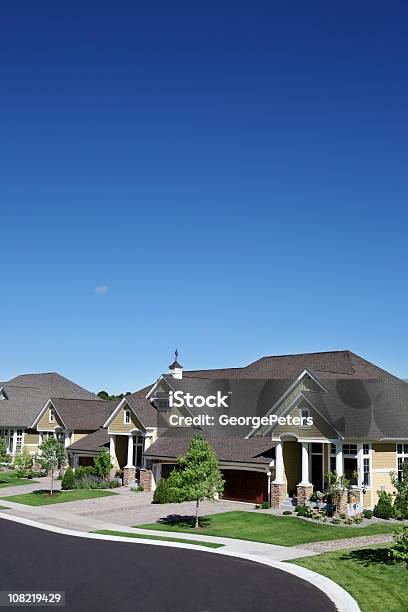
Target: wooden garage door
245,486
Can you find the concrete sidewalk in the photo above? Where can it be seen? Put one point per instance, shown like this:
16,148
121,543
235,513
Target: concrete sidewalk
63,517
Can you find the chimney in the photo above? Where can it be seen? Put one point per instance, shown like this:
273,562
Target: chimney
176,370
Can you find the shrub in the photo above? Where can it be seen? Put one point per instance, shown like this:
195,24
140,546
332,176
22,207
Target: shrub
265,505
68,480
23,463
401,498
167,490
140,488
298,508
82,471
304,511
399,550
335,520
383,508
368,514
103,463
287,512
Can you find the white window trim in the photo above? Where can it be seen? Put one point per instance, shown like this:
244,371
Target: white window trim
127,417
300,416
51,415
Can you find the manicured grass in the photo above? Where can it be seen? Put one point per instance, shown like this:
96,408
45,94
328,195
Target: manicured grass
43,498
124,534
9,479
284,530
4,508
367,574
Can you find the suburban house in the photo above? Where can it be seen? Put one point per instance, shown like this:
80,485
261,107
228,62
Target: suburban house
313,413
23,398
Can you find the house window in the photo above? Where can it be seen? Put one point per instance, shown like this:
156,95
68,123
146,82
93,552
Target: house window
333,452
162,404
127,417
19,441
366,465
350,462
304,414
139,446
402,456
51,416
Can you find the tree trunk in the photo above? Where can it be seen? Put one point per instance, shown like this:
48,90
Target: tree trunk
52,481
196,516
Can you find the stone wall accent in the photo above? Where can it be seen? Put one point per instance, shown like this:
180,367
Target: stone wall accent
303,494
146,478
343,502
129,474
278,494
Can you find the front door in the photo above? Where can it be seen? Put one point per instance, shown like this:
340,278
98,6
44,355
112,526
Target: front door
317,467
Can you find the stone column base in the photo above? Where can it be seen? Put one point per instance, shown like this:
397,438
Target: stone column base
278,494
343,502
303,493
129,474
145,480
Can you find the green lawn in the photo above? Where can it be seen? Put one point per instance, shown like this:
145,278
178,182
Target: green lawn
9,479
124,534
367,574
4,508
284,530
43,498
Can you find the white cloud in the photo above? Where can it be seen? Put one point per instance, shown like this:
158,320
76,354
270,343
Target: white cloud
101,289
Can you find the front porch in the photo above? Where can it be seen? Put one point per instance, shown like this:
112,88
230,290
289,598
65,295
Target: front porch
126,451
300,467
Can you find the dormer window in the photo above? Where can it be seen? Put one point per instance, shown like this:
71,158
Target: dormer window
162,404
126,417
304,414
51,416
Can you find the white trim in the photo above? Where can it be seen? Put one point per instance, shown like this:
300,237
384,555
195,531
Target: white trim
42,412
156,384
115,412
127,416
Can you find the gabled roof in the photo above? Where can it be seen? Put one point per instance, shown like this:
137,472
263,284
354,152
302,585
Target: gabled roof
83,414
140,406
93,442
28,393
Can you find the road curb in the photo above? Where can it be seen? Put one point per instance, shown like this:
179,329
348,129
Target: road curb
343,601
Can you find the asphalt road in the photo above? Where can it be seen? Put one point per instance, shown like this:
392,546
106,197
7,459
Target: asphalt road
101,575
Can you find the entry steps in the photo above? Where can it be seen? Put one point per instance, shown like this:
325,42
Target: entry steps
288,503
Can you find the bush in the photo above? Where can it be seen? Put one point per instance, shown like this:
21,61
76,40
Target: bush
335,520
299,508
103,463
82,471
304,511
399,550
287,512
383,508
265,505
140,488
368,514
68,480
167,491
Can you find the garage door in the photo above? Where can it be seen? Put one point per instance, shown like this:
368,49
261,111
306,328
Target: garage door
245,486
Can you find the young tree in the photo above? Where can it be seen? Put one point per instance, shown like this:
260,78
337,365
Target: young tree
198,474
401,498
103,463
4,456
23,462
52,456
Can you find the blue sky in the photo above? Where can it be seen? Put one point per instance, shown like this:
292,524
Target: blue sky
235,178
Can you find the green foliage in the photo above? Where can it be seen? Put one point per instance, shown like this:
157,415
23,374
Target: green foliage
368,514
401,498
399,550
68,481
103,463
383,508
304,511
265,505
52,456
23,462
168,490
4,456
287,512
83,471
335,487
105,396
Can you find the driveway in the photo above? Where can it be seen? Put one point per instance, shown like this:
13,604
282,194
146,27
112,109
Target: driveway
102,575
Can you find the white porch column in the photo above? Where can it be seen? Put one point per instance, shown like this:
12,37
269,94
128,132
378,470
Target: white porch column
278,464
130,453
112,444
14,445
339,459
305,465
360,466
66,439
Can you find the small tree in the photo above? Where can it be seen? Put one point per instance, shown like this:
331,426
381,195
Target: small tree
52,456
401,498
4,456
23,462
68,480
336,485
399,551
198,474
103,463
383,508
